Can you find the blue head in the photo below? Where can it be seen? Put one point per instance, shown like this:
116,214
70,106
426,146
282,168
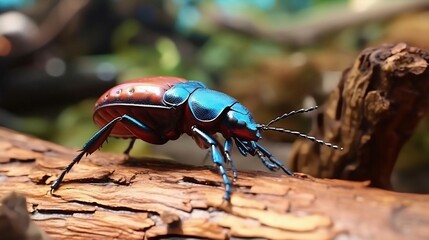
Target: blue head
240,123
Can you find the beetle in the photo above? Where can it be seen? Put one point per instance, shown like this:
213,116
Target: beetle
159,109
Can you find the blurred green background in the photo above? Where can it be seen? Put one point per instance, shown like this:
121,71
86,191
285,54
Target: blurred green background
57,57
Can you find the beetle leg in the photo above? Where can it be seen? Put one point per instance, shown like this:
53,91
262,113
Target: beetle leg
227,150
217,158
266,161
253,150
57,182
130,146
242,148
273,159
138,129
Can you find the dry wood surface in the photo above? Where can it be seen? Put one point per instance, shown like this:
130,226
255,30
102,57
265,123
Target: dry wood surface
111,196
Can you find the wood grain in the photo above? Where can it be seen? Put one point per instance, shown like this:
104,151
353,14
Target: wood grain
111,196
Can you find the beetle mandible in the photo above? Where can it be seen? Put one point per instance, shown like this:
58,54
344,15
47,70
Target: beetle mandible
159,109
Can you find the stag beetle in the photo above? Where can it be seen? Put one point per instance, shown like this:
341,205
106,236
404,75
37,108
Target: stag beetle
159,109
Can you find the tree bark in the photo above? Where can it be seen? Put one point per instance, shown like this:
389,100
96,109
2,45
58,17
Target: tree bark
372,113
110,196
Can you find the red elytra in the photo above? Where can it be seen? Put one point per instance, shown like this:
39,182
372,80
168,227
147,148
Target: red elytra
142,99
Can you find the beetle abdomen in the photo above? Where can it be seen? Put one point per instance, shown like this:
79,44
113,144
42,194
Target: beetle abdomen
142,99
147,91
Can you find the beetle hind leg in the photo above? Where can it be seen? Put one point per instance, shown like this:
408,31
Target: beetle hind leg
130,146
57,182
138,129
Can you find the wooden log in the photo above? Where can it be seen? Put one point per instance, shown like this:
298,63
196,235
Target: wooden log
110,196
372,113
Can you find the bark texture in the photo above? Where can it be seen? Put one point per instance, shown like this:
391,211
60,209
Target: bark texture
372,113
109,196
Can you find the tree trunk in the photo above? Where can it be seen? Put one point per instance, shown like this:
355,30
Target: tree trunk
372,113
110,196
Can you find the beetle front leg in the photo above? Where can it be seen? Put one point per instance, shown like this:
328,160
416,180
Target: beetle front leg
272,158
252,149
217,158
138,129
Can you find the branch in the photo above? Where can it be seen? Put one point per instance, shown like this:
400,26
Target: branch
110,196
372,113
311,30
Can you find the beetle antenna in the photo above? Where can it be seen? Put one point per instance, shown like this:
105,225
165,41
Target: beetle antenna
311,138
302,110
